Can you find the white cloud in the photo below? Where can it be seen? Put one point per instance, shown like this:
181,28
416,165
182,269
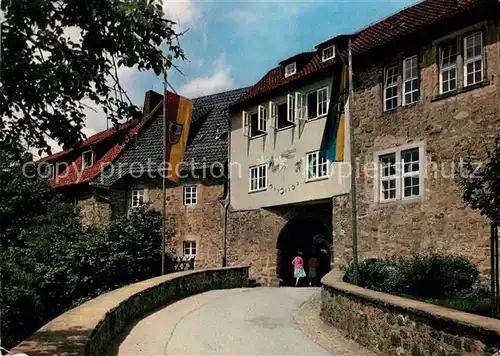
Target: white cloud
218,81
183,12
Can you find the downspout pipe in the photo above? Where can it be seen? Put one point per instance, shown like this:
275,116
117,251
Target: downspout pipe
228,189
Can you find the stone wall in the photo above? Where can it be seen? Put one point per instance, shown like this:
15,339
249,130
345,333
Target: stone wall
203,222
93,210
88,329
446,127
253,234
391,325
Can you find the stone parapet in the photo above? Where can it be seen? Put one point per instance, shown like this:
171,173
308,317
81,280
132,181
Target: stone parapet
392,325
89,328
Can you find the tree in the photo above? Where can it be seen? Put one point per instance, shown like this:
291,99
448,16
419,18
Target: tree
49,262
480,183
60,56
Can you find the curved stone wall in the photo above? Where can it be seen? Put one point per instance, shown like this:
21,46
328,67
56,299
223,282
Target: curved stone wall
391,325
88,329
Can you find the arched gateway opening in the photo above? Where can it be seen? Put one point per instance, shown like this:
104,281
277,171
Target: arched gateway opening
308,235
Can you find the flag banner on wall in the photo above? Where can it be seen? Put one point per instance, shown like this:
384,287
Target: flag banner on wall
179,110
333,137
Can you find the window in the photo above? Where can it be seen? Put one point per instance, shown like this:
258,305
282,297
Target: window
256,124
300,106
190,195
291,108
87,159
137,198
317,103
281,118
317,165
473,58
388,177
262,119
400,175
189,248
328,53
410,80
290,69
258,178
448,69
391,88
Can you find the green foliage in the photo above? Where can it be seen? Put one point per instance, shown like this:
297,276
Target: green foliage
480,183
50,263
432,275
60,56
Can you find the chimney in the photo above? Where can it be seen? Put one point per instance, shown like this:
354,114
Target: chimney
151,99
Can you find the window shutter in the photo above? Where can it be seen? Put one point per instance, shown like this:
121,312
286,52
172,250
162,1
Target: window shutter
273,109
245,123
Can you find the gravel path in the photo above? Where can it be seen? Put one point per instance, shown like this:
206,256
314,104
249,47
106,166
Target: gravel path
256,321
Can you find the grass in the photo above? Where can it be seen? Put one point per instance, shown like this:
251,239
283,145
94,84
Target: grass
474,305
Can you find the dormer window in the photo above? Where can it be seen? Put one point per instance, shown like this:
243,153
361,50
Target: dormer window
87,159
290,69
328,53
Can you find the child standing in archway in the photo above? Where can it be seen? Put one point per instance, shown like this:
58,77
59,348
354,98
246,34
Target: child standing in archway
298,268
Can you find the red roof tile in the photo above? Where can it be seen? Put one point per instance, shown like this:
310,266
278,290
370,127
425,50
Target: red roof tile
74,175
389,29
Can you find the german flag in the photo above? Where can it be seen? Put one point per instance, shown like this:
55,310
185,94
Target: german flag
177,114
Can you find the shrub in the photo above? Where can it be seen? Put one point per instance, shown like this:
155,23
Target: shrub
436,275
432,275
376,274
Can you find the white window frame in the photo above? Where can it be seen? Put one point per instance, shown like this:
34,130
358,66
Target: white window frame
318,114
300,106
91,159
189,245
262,118
273,110
324,57
400,175
245,119
261,171
411,79
290,69
473,59
140,193
388,178
290,114
392,85
319,165
190,194
447,68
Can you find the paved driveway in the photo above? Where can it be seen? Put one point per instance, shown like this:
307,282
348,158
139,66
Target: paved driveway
256,321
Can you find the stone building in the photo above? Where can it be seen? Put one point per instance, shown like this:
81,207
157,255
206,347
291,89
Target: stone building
289,146
426,90
196,207
73,170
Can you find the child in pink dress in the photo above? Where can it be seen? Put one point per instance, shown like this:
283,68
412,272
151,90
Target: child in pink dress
298,268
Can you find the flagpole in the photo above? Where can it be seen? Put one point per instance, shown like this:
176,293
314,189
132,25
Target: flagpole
354,198
164,212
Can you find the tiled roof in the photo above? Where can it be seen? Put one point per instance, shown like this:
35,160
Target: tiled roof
73,174
207,142
405,22
96,138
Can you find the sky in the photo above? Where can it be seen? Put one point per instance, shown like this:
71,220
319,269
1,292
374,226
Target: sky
232,44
